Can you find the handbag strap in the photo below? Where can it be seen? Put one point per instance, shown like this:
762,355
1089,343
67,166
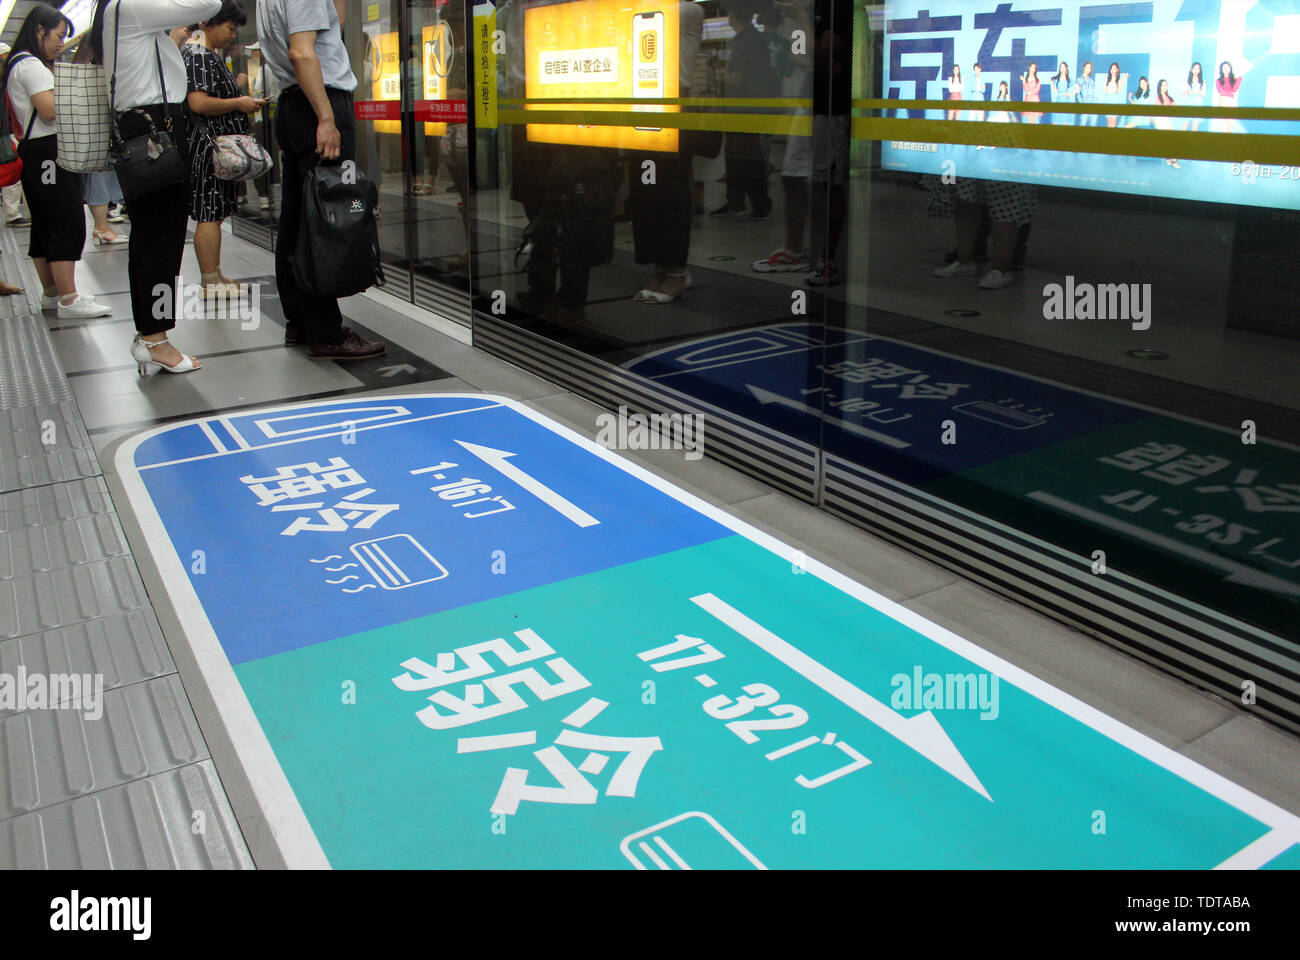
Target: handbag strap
112,83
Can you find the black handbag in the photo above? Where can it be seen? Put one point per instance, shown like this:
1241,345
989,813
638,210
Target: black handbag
150,162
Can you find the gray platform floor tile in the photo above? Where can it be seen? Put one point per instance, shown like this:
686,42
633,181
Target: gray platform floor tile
177,819
121,649
511,382
121,397
59,598
104,347
43,443
30,372
889,570
54,755
1254,754
56,546
1163,707
54,503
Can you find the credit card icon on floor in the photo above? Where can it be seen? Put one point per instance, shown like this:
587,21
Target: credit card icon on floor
690,841
398,561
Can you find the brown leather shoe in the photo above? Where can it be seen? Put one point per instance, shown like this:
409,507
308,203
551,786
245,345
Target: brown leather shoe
352,348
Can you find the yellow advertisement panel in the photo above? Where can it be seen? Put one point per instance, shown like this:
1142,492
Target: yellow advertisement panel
485,75
386,77
603,48
439,49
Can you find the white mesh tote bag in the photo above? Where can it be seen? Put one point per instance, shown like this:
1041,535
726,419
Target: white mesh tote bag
81,117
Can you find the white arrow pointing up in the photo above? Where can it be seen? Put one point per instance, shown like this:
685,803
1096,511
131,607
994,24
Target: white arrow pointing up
496,459
921,732
767,396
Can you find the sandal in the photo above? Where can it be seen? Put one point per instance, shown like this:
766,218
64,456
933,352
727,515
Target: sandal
9,290
654,296
646,294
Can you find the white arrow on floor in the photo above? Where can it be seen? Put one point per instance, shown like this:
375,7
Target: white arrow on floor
921,732
496,459
767,396
396,369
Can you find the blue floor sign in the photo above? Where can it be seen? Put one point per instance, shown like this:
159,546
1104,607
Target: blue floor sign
444,631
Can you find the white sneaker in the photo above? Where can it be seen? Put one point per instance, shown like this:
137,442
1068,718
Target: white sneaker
82,308
996,280
49,303
956,269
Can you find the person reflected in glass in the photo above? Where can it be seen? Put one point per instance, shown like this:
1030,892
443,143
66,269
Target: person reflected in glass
797,163
832,106
662,212
749,75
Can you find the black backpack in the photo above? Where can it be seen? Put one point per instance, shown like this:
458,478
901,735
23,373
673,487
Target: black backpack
338,240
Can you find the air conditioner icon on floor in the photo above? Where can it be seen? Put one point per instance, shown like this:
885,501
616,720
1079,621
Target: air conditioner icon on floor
398,561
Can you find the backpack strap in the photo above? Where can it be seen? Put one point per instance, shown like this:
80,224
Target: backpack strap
22,55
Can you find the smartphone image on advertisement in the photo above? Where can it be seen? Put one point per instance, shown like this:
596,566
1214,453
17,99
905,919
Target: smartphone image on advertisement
648,60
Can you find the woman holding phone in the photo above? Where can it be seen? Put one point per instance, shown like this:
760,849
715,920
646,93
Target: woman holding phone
216,109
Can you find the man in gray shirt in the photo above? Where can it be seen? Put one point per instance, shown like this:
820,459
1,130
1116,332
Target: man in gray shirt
303,47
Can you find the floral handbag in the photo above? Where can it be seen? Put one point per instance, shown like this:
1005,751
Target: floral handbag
238,156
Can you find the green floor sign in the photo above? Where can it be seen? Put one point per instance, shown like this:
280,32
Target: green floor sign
612,673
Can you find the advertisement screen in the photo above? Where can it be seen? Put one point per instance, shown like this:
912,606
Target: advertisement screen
603,48
1212,53
439,51
383,70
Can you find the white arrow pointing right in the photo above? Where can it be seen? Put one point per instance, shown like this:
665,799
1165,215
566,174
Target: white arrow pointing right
921,732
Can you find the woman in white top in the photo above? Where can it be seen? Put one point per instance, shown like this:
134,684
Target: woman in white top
134,33
954,90
53,194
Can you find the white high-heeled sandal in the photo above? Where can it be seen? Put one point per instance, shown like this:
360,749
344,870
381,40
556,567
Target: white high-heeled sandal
654,296
144,360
